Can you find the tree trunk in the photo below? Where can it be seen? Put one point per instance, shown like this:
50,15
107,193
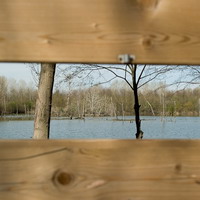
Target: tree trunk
44,100
139,133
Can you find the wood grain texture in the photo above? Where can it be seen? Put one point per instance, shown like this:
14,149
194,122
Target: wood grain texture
97,31
100,170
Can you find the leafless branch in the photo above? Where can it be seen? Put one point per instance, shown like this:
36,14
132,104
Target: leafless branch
141,74
105,81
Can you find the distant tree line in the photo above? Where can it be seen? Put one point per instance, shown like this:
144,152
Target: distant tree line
101,101
115,100
16,97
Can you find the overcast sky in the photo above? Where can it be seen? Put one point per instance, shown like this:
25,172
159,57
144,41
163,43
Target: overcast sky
21,71
17,71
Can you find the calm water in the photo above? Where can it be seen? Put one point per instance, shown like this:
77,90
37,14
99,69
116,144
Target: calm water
153,127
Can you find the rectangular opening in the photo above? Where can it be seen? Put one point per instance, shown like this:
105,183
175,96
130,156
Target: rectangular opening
97,101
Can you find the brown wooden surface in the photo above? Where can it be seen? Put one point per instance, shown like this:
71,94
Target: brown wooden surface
100,170
155,31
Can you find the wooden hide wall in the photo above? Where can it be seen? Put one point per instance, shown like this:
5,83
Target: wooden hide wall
100,170
155,31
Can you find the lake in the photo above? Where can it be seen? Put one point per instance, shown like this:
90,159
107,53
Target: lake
106,127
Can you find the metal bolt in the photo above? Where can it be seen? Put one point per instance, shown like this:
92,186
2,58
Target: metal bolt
126,58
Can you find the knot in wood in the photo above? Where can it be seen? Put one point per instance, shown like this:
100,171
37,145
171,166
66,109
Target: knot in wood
147,42
197,182
64,178
178,168
61,178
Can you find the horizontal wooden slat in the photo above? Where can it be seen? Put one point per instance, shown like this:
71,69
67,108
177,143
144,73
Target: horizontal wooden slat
100,170
155,31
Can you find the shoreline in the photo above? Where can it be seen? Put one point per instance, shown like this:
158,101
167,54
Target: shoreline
120,118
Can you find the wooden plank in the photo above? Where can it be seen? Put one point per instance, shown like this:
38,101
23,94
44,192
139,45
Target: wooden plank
100,169
97,31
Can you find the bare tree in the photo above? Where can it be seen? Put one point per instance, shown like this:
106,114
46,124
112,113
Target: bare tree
187,75
35,72
3,94
44,100
135,76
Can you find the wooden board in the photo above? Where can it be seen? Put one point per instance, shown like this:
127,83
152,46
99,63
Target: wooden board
97,31
100,170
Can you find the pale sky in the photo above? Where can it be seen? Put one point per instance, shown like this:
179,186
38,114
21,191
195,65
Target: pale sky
17,71
21,71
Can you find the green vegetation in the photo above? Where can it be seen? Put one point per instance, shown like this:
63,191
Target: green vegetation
18,98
